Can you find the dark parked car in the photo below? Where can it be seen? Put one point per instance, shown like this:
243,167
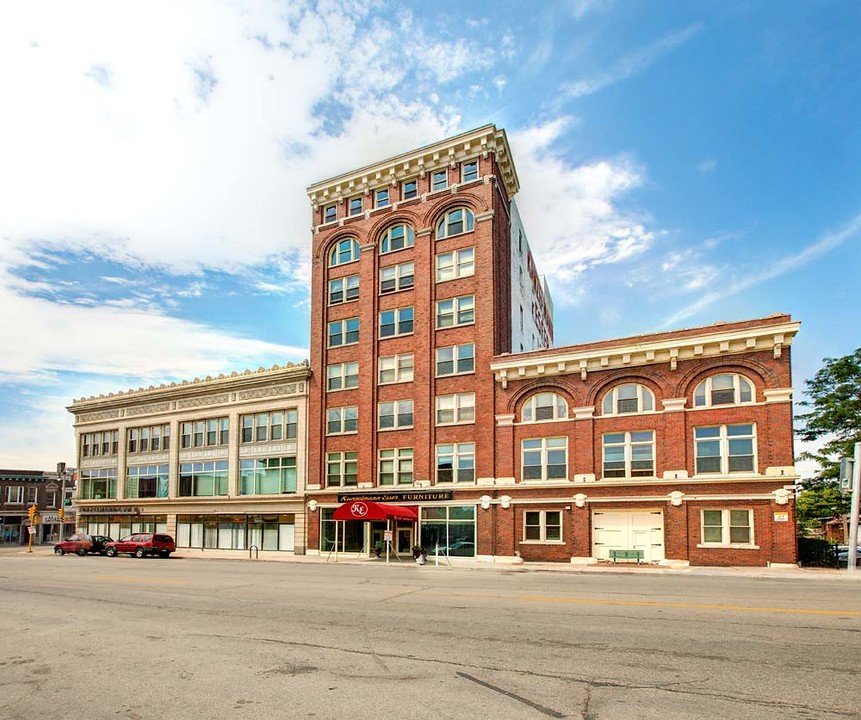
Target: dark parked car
142,544
81,544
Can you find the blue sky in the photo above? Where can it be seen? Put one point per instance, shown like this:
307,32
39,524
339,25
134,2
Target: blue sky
681,163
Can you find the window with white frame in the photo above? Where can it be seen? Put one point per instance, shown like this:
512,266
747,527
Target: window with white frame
381,197
725,449
267,476
204,433
545,458
723,389
97,484
456,264
409,189
395,414
727,527
342,420
542,526
100,443
439,180
203,479
455,463
627,399
396,368
455,311
355,205
455,222
455,360
344,252
397,277
395,466
396,322
32,495
268,426
15,495
629,454
155,438
396,238
342,376
330,213
143,481
469,171
342,469
344,332
456,408
545,406
343,289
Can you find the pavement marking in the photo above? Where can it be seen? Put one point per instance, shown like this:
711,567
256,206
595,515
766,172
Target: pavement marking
126,578
650,603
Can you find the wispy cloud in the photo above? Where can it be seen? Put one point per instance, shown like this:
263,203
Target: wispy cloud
707,166
631,64
787,264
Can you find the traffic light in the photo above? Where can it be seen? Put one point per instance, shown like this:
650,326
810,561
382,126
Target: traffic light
32,512
61,514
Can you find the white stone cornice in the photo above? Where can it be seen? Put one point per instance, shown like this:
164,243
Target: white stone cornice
714,341
674,404
466,146
778,395
583,413
504,420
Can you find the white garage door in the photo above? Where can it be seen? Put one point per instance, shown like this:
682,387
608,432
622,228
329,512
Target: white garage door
635,530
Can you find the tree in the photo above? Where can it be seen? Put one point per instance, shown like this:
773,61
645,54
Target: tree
834,400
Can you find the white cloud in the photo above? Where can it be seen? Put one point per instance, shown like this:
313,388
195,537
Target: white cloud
707,166
632,63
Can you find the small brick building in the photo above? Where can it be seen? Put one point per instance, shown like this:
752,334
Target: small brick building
434,385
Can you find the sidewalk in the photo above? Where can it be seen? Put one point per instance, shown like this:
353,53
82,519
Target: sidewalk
507,567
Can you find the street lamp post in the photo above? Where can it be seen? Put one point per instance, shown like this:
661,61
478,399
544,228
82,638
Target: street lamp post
61,472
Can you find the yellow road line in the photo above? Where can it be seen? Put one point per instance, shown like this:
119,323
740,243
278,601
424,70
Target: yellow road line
649,603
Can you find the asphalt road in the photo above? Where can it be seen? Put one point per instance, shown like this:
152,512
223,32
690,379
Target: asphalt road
95,638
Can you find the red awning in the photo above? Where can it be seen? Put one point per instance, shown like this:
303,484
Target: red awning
367,510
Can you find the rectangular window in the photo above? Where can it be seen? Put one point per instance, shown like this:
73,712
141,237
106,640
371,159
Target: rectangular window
344,332
148,439
542,526
629,454
146,481
545,459
725,449
470,171
204,433
267,476
397,277
454,409
342,420
396,322
455,463
409,189
342,469
439,180
330,213
396,368
456,311
355,206
395,466
381,197
99,484
266,427
15,495
342,376
203,479
455,360
344,289
395,414
727,527
456,264
100,443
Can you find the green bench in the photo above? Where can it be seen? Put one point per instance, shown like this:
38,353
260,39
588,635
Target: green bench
626,555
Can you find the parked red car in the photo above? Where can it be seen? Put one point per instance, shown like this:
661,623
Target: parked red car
142,544
81,544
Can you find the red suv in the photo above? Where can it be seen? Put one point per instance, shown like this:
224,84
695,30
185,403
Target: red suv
142,544
81,544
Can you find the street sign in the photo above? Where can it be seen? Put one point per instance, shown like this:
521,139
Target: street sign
846,467
31,530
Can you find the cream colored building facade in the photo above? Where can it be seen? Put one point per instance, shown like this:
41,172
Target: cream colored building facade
218,463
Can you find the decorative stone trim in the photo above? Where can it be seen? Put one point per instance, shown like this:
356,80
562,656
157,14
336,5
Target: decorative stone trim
778,395
674,404
584,477
204,401
584,413
675,475
266,392
101,415
147,409
505,420
787,472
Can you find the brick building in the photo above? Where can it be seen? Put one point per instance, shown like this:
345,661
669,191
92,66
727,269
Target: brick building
21,489
434,385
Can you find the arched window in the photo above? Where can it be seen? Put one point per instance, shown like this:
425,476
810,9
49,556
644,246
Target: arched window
397,237
455,222
723,389
344,252
545,406
626,399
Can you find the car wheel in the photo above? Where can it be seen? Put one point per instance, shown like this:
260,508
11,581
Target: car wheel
140,552
81,552
165,553
59,551
111,552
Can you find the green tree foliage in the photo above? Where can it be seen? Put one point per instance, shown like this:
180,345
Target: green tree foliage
833,417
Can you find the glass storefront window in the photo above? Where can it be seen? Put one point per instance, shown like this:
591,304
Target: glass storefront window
267,476
236,532
450,528
351,534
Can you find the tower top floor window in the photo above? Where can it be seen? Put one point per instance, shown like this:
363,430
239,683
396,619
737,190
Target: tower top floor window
344,252
455,222
723,389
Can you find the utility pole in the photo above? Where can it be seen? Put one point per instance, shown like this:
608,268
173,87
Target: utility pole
61,472
854,511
